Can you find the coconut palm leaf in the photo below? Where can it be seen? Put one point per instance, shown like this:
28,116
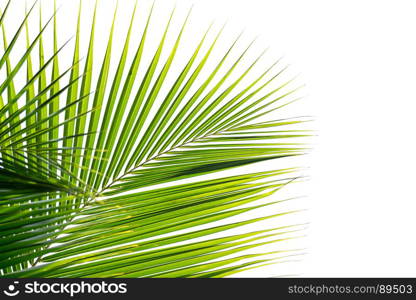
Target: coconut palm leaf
100,178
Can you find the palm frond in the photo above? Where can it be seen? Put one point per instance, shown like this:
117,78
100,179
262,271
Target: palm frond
100,178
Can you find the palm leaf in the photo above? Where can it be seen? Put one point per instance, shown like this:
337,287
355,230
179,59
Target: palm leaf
109,182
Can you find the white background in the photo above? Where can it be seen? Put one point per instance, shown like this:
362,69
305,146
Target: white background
358,61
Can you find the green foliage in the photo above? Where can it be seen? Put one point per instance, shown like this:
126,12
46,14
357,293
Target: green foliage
82,160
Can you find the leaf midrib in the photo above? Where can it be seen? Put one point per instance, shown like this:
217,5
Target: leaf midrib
135,168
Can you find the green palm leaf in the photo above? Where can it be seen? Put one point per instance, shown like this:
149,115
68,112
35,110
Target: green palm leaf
100,178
